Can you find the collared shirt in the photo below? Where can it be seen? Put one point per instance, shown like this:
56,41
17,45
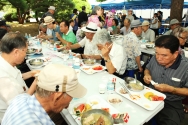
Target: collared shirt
11,84
176,75
70,37
149,35
118,58
125,31
26,110
90,46
133,49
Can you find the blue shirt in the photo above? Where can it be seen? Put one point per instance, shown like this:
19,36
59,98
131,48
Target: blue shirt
57,29
26,110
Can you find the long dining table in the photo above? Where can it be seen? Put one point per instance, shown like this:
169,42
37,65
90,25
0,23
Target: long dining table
137,114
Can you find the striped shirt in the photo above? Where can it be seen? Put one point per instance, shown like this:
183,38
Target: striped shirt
26,110
176,75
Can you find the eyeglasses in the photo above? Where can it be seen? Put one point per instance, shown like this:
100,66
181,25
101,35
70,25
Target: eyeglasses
183,38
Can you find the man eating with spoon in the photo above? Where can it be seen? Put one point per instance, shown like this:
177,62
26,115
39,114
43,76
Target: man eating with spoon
170,71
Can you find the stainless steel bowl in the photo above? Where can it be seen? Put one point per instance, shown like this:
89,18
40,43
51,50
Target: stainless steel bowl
31,51
133,84
36,62
89,62
107,117
65,51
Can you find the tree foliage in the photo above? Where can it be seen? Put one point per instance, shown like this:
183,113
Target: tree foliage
64,8
100,0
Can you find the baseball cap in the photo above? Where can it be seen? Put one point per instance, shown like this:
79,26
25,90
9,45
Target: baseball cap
174,21
135,23
61,78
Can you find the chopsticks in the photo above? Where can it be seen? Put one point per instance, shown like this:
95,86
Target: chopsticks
124,87
110,45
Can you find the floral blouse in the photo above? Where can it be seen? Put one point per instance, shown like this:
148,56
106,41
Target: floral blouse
95,19
133,49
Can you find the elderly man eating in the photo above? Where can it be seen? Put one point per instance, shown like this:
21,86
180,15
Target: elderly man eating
170,71
54,93
147,33
90,47
13,50
114,55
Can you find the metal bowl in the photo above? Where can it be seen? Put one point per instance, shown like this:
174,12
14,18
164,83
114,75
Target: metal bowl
107,117
89,62
133,84
36,62
31,51
65,51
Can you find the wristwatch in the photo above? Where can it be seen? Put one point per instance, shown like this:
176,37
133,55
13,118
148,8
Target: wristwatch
108,60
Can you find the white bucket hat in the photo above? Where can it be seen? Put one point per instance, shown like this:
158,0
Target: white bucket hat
174,21
61,78
51,8
48,20
91,27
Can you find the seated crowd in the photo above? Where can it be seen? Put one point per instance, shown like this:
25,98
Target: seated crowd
51,93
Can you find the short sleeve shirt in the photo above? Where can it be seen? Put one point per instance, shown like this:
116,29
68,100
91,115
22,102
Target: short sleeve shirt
70,37
176,75
133,49
149,35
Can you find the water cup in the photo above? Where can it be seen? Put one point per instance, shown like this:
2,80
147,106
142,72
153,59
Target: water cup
102,88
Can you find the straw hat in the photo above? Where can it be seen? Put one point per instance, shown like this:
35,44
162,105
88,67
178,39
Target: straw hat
91,27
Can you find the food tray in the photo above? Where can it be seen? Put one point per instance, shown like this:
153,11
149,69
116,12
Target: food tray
89,69
142,100
101,104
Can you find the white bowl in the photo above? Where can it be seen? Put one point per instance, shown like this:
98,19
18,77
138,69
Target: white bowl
114,99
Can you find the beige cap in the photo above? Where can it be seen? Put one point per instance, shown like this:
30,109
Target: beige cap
145,23
51,8
48,20
60,78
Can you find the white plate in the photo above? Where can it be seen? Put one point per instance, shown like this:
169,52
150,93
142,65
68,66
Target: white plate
89,69
143,101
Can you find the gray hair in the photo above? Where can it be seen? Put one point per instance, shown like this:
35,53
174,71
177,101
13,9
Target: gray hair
177,31
43,93
94,10
12,41
43,26
102,36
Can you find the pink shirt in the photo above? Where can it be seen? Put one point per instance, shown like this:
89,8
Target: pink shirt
94,19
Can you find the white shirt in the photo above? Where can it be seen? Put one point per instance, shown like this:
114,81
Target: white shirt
11,84
154,26
70,28
118,58
90,47
49,32
149,35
